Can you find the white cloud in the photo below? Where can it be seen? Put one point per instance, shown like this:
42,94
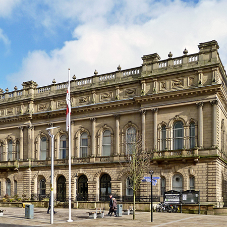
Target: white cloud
111,36
4,39
7,7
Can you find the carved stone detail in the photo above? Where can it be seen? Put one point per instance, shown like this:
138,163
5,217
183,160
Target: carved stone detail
62,104
177,83
84,99
105,96
9,111
43,107
130,92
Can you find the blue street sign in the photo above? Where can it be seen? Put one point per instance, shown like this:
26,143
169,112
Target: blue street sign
155,178
154,182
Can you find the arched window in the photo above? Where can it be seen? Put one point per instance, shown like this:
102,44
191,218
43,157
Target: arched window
15,187
84,145
178,135
42,187
106,143
192,135
43,148
105,187
129,185
8,187
192,183
10,150
82,188
62,154
163,138
177,182
61,189
130,140
163,185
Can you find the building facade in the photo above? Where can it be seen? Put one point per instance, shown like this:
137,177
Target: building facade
177,105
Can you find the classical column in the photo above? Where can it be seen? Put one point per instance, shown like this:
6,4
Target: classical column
155,111
214,104
117,151
32,142
29,141
21,143
200,124
93,120
143,114
72,139
5,153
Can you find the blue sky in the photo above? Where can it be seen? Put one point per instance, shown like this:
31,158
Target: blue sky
41,39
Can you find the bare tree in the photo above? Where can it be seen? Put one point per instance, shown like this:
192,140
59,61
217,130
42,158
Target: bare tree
137,165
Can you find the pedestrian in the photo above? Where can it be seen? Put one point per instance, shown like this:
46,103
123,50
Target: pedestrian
49,207
111,205
115,207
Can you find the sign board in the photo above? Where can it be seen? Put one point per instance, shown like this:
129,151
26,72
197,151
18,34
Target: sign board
148,179
190,197
172,197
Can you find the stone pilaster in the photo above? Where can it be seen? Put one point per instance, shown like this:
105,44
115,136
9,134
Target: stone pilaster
155,111
200,124
214,104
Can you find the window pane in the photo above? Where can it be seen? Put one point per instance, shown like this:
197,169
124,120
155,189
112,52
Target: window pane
43,148
106,143
10,150
8,187
178,135
83,145
192,182
130,140
15,187
192,135
163,138
63,145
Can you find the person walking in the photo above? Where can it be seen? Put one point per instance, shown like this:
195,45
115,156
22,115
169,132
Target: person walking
111,205
115,207
49,207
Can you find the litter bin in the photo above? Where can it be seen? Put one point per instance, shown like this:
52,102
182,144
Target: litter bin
119,210
29,211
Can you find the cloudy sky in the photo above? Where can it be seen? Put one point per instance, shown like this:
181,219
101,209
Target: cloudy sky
41,39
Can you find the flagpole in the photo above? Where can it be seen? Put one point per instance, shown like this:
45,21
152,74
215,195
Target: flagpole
69,130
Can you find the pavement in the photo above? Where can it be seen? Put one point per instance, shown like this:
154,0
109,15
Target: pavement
16,217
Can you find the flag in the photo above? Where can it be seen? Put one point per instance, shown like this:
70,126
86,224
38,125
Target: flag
68,108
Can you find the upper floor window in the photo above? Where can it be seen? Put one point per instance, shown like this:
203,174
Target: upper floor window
62,154
10,150
129,187
17,152
163,138
192,135
43,148
178,135
106,143
130,140
84,145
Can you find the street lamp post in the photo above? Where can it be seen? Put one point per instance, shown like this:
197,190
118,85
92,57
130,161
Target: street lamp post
52,176
151,173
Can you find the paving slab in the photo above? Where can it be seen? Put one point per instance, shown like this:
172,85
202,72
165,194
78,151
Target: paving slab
16,217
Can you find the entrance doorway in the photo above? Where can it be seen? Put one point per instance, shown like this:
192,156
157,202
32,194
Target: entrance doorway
82,188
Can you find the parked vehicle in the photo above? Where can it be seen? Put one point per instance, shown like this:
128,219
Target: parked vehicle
164,207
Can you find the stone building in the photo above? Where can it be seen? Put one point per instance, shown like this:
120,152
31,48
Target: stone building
177,105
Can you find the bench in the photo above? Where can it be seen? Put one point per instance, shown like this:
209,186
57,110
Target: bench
128,211
98,213
92,215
